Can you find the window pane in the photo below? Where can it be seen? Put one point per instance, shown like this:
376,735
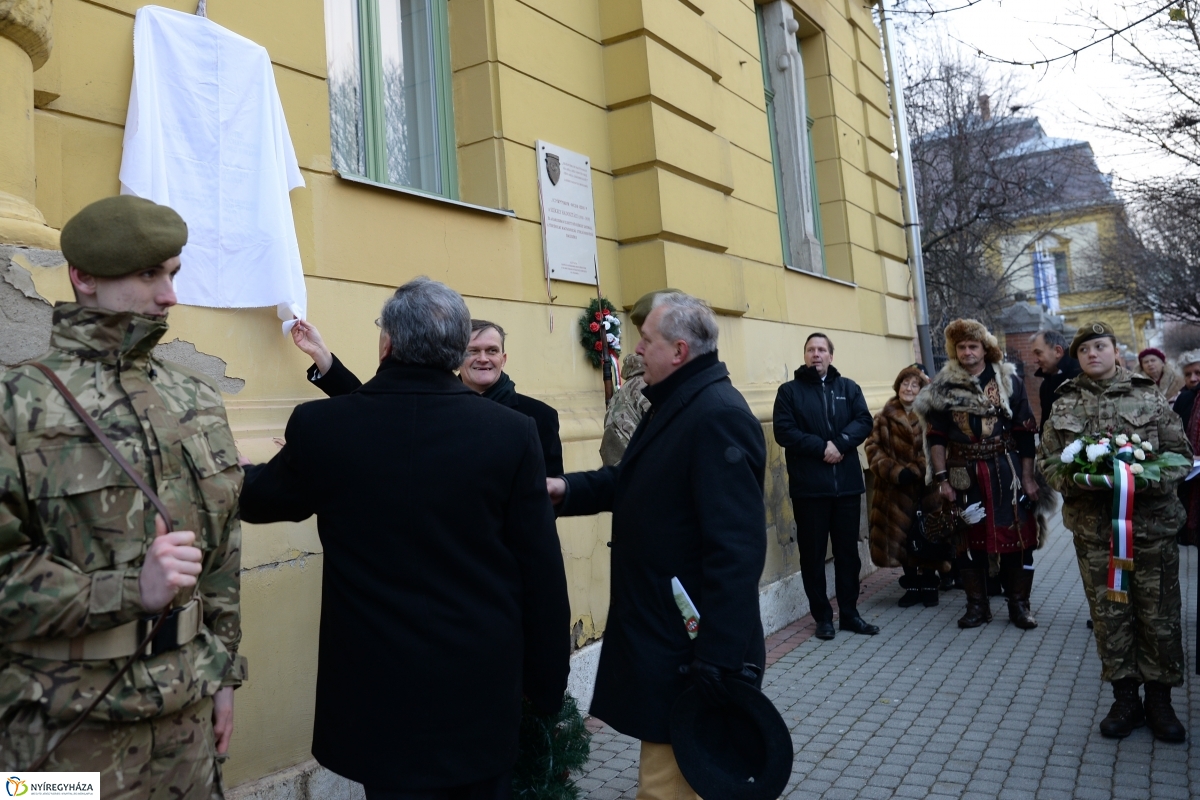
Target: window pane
1061,272
409,98
345,87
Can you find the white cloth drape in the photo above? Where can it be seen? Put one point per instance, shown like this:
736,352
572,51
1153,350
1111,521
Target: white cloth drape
206,135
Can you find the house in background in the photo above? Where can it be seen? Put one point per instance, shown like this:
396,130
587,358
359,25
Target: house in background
742,152
1059,250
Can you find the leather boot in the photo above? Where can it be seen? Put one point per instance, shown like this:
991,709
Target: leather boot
929,589
1163,722
1020,584
912,591
979,610
1126,712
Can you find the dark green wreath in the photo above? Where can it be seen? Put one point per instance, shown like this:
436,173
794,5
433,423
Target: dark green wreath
551,748
595,342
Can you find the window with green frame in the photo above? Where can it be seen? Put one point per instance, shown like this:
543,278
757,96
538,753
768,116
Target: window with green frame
777,162
390,105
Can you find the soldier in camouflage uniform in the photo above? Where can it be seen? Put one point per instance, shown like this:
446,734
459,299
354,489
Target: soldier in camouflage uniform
628,405
83,553
1139,641
625,411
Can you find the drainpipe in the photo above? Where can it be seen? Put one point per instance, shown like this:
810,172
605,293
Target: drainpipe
908,195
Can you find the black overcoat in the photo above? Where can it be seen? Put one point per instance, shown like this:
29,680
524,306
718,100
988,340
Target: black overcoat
443,590
687,502
340,380
810,412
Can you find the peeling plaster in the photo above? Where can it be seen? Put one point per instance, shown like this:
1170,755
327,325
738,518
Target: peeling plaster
25,315
185,354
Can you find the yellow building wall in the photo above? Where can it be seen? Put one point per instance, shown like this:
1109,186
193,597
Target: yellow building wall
666,98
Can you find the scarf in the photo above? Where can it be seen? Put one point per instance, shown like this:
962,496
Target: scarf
503,391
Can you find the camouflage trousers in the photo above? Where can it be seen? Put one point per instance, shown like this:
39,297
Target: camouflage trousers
169,757
1140,639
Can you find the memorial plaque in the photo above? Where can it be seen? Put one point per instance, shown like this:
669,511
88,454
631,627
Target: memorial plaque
568,215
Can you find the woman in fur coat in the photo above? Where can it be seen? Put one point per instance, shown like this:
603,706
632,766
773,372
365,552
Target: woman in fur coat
896,452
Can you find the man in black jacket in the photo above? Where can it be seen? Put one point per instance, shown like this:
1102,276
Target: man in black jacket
687,503
481,371
444,597
1055,367
820,420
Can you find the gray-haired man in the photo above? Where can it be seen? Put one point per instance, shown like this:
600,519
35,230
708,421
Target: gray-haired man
1055,367
440,555
687,503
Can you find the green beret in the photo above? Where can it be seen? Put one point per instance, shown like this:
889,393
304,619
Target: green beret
122,235
645,304
1095,330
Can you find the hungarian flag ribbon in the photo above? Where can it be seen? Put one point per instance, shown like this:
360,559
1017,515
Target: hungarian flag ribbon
1120,559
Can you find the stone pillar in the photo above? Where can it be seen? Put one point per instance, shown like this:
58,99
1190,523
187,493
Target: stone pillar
25,41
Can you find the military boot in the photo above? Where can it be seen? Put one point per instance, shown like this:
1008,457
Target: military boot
912,590
979,609
1126,712
1163,722
1020,584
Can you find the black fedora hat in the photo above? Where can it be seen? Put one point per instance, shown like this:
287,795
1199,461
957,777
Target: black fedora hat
741,750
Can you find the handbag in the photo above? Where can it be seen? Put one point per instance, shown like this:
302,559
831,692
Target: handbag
929,539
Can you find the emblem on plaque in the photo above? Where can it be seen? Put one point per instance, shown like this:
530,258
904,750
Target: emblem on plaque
553,170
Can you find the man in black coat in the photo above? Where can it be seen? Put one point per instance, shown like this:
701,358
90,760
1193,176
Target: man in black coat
482,371
820,420
1055,367
444,597
687,503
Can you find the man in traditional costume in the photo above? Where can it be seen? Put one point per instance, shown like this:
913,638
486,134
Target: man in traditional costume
980,446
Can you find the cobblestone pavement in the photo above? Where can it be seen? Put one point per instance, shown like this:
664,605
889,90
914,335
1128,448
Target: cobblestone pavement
925,709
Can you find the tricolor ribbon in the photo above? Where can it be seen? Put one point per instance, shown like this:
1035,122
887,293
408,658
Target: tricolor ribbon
1120,558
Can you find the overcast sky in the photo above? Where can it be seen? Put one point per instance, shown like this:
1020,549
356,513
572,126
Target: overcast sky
1068,96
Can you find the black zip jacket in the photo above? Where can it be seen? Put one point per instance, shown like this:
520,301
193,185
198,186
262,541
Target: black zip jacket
810,412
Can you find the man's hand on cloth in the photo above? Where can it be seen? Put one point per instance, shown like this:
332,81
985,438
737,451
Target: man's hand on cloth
832,454
309,340
557,489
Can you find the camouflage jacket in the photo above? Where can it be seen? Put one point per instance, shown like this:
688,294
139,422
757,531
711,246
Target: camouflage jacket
74,529
1129,404
625,411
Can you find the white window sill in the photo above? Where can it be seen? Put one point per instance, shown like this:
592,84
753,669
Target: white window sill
799,271
437,198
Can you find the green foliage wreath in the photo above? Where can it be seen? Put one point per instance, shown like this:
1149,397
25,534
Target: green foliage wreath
600,331
551,748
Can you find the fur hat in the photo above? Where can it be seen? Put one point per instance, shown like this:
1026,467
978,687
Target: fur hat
972,330
1190,357
912,371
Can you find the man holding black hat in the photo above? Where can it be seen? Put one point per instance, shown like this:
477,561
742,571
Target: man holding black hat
687,504
1138,629
85,560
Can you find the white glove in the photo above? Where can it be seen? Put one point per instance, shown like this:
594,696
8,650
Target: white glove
973,514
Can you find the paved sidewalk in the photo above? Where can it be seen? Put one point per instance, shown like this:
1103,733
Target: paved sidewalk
925,709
